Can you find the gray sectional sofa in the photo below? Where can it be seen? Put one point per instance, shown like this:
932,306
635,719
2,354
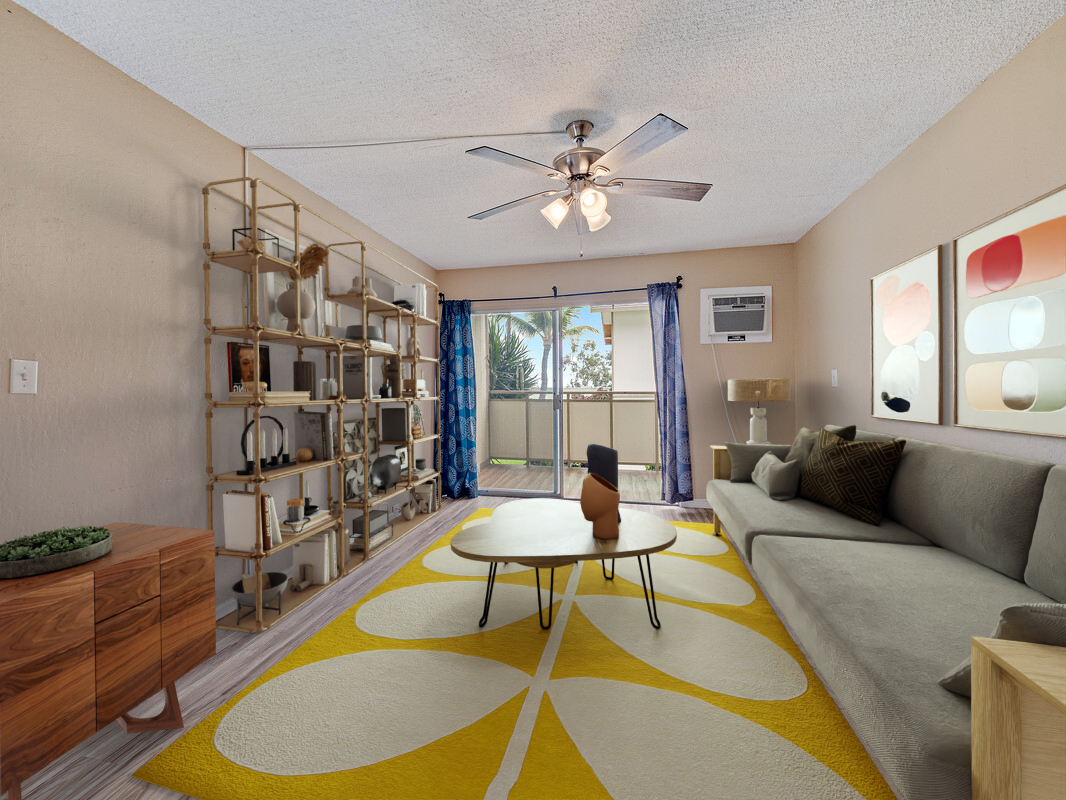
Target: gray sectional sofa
885,612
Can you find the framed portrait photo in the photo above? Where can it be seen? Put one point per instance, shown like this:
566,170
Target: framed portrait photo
1010,321
242,365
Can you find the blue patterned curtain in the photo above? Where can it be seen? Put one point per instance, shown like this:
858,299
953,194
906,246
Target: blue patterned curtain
458,400
670,392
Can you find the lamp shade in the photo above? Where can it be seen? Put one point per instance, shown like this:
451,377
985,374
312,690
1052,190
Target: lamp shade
753,390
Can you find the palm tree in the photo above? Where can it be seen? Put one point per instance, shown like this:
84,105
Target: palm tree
539,323
510,366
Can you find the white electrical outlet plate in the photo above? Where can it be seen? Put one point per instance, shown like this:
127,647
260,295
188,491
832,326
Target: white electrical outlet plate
835,382
23,376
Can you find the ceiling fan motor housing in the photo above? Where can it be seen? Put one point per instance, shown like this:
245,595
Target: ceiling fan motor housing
577,161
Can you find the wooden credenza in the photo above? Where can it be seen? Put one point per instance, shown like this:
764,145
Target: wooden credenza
82,646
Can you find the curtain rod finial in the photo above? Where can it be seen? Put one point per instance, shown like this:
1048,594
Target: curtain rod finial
440,297
678,281
555,291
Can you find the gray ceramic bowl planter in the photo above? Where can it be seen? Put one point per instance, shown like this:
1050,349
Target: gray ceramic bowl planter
27,567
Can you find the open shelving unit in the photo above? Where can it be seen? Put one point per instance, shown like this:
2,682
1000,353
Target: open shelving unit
351,252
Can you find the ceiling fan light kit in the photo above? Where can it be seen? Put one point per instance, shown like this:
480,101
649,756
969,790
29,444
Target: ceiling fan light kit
588,173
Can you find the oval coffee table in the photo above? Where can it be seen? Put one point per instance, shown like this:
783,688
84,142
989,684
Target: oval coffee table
550,533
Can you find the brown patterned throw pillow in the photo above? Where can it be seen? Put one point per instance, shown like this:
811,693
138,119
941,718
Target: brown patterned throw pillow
851,477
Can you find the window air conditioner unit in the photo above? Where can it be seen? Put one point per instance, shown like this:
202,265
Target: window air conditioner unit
738,314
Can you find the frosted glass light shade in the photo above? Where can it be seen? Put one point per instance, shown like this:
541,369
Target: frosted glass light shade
595,223
555,212
593,202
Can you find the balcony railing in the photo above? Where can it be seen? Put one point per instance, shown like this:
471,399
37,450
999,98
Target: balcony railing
520,426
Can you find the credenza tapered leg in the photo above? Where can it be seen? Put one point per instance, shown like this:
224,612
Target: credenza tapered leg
167,719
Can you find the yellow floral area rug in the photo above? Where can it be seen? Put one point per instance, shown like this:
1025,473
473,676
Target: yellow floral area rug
403,696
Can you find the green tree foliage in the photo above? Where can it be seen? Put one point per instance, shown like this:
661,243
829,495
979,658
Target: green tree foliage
588,367
511,367
539,324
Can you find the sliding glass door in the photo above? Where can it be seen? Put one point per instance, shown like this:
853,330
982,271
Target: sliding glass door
519,403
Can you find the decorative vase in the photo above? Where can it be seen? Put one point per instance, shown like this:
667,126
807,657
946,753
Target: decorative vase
599,504
408,511
385,472
357,285
287,305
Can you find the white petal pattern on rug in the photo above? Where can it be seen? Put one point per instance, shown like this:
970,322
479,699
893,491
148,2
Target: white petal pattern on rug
475,522
643,742
442,610
690,580
691,542
354,710
444,561
701,648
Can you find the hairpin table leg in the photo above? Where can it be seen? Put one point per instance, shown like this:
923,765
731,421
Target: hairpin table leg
653,612
488,594
551,598
603,566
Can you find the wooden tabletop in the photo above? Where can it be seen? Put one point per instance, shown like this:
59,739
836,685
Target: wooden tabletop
551,533
129,540
1039,667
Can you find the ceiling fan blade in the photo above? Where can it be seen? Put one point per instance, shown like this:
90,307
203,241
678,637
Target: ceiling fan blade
657,131
493,154
516,203
676,190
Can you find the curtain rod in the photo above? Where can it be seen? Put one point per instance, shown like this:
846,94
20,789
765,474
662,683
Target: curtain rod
555,294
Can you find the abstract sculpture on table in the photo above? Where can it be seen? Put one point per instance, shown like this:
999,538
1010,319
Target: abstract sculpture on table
599,504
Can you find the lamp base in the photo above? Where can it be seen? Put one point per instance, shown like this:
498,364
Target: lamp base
757,429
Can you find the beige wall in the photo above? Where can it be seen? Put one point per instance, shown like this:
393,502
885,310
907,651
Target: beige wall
744,266
101,282
1001,147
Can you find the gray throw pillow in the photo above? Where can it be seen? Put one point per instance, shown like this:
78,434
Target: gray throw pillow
744,457
803,444
1036,623
779,479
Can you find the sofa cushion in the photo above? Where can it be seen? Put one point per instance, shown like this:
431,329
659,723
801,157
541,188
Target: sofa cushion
744,457
881,624
747,512
779,479
979,505
1046,570
804,442
1037,623
851,477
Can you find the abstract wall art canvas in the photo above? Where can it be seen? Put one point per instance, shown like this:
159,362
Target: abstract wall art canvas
1010,321
905,309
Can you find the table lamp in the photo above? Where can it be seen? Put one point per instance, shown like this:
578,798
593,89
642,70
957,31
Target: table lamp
759,391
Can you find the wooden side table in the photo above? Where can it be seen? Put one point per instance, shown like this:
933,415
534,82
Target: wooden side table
1018,718
721,469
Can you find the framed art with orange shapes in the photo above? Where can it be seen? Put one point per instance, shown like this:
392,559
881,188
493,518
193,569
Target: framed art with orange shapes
1010,321
906,353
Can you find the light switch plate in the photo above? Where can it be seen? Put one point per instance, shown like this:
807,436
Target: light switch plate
835,382
23,376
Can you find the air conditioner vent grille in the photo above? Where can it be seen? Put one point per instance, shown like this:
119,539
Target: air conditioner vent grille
753,300
740,321
725,301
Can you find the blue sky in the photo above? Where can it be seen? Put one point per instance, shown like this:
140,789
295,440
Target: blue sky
586,317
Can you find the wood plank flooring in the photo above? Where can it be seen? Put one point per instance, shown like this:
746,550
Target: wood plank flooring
635,486
101,767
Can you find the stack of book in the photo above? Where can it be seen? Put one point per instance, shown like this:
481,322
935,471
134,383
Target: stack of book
377,538
248,397
296,527
320,551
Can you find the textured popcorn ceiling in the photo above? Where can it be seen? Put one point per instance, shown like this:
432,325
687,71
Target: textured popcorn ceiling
791,104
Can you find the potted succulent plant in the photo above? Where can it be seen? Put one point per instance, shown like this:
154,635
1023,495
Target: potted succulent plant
52,550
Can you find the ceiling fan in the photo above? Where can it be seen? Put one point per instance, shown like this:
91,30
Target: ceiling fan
589,174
